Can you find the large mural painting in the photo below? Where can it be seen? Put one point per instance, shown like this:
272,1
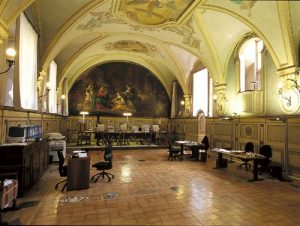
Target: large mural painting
114,88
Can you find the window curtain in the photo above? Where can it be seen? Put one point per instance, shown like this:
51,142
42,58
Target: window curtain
52,91
27,64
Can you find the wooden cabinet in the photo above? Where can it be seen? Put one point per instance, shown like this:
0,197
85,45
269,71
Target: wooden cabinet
29,161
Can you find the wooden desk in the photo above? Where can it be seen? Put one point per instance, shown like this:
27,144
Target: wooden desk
194,147
28,160
78,173
196,153
239,154
182,143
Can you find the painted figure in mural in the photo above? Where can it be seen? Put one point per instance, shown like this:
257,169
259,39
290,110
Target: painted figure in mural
118,103
101,98
129,95
89,96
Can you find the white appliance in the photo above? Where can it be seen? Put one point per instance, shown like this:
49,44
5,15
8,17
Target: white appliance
56,141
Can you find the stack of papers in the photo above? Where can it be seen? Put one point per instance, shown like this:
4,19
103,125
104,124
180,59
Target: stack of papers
80,153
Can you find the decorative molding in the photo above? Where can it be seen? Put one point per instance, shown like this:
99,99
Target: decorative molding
133,46
187,32
187,103
40,82
245,5
221,101
289,90
4,33
98,19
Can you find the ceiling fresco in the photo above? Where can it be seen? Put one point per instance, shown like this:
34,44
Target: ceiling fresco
154,12
168,37
133,46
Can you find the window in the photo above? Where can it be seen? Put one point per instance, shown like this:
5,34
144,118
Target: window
52,86
27,64
250,56
202,93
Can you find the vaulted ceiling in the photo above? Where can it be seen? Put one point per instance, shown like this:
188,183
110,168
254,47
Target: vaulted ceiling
171,38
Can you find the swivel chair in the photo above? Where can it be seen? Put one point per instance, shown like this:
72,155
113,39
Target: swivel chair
63,169
263,164
174,152
249,147
205,142
104,165
204,149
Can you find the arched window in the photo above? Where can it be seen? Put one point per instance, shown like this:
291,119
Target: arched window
202,92
250,56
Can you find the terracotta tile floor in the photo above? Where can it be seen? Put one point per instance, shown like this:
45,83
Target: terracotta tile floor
150,190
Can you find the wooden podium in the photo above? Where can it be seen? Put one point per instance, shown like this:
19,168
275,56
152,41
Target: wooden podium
78,173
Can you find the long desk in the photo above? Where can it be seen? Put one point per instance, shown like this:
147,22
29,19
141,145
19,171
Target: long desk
198,150
123,137
221,163
195,147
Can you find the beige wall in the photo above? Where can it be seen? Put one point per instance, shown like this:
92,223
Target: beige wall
237,132
233,133
50,123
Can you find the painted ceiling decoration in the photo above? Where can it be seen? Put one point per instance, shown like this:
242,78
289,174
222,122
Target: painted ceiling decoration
189,36
186,31
98,19
154,12
168,37
133,46
245,5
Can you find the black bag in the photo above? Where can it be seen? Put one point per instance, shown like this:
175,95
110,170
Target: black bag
276,171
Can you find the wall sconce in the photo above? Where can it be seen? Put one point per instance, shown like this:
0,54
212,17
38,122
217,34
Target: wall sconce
127,114
10,52
83,113
62,97
182,102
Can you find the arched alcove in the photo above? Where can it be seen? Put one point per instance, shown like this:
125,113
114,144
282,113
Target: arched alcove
118,87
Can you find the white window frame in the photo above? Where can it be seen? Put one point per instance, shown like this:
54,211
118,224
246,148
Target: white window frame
250,57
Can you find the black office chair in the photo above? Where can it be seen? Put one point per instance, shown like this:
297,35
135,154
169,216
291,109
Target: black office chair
263,164
205,141
204,149
106,165
175,152
249,147
63,169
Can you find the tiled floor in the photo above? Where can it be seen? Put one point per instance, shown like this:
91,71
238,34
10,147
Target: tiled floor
150,190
